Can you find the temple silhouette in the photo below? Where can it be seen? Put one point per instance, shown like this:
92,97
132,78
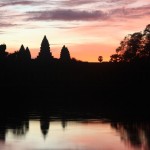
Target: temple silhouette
45,55
23,54
65,55
3,53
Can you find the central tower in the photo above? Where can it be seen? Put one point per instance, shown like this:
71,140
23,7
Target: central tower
45,53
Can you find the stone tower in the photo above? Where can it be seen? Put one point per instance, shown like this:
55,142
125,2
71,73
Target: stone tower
64,54
45,53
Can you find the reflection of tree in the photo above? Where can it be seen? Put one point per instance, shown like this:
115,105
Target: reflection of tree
136,135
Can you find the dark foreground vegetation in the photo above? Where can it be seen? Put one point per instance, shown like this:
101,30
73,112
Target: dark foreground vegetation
77,86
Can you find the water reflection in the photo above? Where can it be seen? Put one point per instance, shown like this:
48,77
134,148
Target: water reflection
64,133
136,135
18,127
64,123
2,131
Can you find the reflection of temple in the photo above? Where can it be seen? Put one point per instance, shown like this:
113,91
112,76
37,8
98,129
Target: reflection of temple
21,128
63,123
2,131
44,124
18,127
45,53
135,135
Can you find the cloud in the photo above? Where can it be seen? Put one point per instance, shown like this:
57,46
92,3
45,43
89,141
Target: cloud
78,2
2,32
4,25
61,27
133,13
12,3
47,10
95,2
95,15
66,15
121,1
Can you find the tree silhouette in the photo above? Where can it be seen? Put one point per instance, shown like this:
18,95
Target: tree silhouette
130,46
147,29
100,58
64,54
45,53
145,53
3,53
115,58
134,47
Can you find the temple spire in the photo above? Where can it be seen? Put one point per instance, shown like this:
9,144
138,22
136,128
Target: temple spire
64,54
45,53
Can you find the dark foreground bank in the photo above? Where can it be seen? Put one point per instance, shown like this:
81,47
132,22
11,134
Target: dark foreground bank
120,88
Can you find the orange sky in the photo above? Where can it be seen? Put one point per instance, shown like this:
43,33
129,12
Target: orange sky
87,28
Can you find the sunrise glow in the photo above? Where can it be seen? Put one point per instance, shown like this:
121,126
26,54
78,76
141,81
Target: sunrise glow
87,28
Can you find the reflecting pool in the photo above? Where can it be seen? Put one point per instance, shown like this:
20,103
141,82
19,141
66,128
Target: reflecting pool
77,134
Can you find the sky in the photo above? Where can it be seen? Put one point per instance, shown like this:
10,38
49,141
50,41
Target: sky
89,28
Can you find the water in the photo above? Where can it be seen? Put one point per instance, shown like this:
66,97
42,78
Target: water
79,133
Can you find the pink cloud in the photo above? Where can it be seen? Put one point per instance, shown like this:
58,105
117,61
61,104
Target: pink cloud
66,15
